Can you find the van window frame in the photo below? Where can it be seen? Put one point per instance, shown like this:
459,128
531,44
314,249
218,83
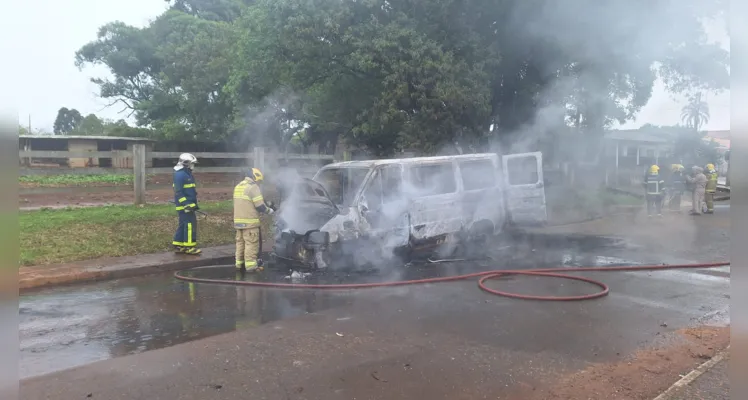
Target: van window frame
370,178
494,170
452,165
537,171
359,191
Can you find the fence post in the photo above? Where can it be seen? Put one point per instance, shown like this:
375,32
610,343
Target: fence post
138,168
258,158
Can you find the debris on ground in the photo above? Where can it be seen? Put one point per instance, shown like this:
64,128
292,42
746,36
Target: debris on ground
374,375
296,275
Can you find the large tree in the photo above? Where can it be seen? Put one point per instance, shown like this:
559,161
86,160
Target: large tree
91,125
66,121
170,75
415,73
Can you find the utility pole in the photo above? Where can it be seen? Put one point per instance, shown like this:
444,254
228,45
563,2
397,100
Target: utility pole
29,124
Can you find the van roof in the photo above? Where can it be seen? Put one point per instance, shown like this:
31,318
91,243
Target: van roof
410,160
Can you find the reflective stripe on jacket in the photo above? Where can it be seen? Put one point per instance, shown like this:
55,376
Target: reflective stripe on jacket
247,198
654,183
711,183
185,191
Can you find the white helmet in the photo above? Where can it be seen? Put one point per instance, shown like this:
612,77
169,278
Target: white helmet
187,160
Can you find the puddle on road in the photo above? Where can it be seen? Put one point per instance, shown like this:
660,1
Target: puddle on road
574,260
67,327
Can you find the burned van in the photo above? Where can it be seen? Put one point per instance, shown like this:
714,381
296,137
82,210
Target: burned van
364,211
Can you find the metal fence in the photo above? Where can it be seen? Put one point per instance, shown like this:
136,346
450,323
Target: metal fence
305,164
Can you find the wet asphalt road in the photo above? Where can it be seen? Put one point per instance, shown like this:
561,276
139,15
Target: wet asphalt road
74,326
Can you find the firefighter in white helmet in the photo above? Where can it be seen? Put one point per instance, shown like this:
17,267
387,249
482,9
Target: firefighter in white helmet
185,199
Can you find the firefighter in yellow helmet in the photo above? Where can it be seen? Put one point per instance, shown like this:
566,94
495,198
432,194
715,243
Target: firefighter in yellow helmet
654,184
711,188
676,186
248,204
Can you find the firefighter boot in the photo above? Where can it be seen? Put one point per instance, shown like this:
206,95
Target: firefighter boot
194,251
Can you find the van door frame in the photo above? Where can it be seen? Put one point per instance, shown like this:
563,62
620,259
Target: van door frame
392,236
490,207
525,202
423,226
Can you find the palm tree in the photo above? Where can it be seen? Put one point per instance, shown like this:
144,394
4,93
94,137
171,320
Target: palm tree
696,113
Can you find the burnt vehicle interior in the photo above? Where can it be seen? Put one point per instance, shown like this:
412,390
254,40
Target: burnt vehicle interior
309,205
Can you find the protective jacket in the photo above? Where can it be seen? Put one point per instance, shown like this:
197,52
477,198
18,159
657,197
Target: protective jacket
711,184
185,192
247,200
699,181
654,183
677,181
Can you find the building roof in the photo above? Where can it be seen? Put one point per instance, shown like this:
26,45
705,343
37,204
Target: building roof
637,135
83,137
723,134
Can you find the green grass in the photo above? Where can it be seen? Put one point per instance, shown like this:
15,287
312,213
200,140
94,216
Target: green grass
75,180
59,236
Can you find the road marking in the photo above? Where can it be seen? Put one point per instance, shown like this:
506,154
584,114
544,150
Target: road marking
691,376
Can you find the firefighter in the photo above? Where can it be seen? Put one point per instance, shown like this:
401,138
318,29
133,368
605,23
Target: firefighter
185,199
677,186
654,185
698,181
711,188
248,204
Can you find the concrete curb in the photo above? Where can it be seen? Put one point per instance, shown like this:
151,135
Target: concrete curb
692,376
37,277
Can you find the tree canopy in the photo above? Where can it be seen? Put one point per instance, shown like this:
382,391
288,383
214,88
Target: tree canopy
66,121
409,74
696,113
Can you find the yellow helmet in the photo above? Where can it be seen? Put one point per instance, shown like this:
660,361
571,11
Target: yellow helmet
710,166
654,169
256,174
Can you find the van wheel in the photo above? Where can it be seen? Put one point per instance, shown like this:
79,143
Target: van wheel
479,239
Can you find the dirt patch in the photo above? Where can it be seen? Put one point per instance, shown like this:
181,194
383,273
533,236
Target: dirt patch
113,197
124,194
643,376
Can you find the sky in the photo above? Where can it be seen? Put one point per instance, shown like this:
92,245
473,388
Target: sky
45,77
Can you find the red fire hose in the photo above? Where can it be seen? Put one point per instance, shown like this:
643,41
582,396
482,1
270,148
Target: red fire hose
484,277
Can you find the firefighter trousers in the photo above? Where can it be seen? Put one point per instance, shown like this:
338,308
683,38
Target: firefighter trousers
186,234
654,203
709,199
698,201
247,247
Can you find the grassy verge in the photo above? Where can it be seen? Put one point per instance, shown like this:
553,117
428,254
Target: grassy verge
608,197
58,236
576,204
75,180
